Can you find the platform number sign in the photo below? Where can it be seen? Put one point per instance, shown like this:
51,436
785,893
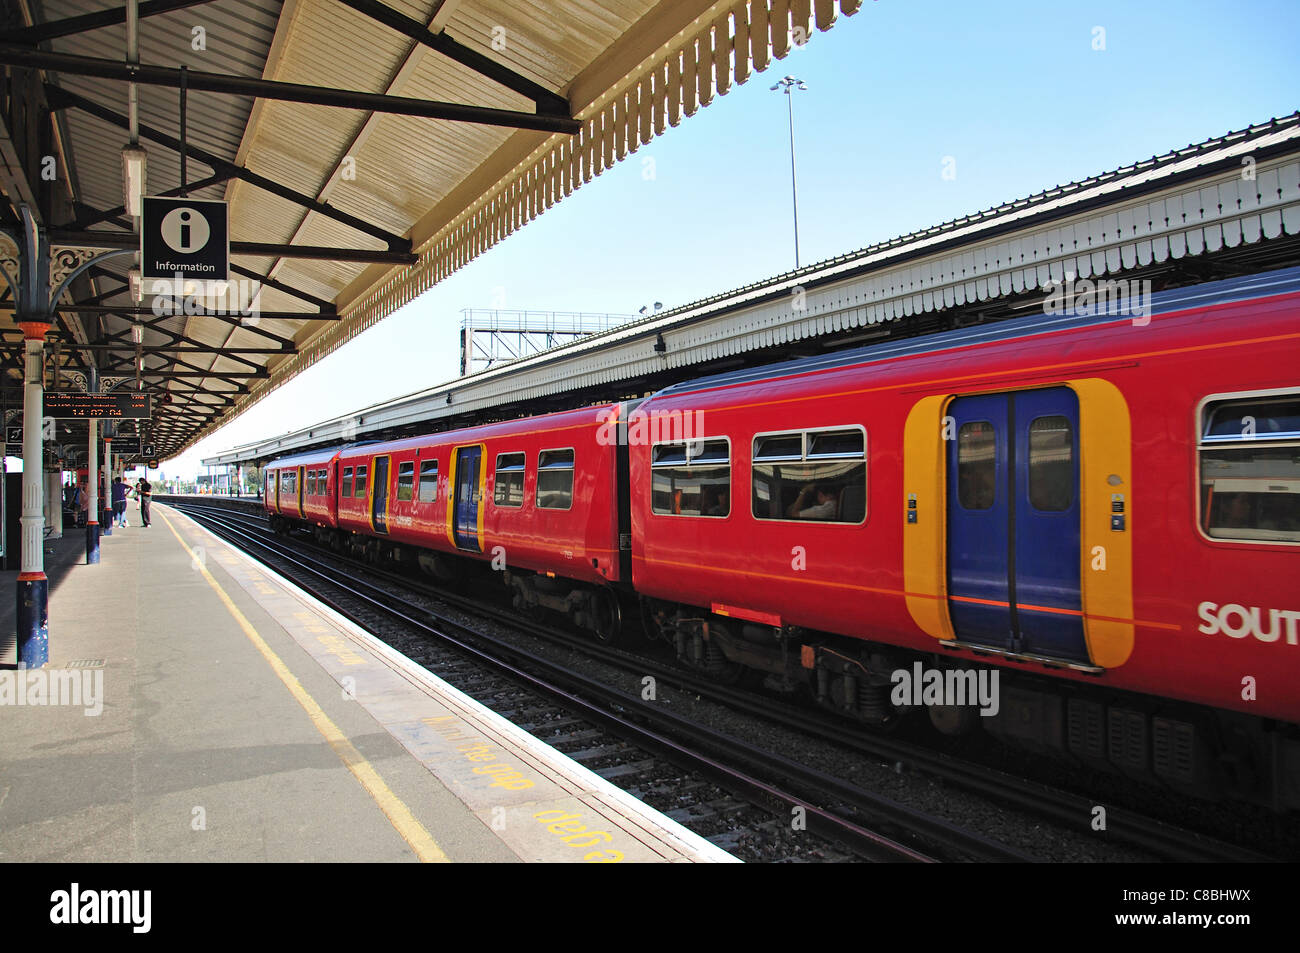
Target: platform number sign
185,237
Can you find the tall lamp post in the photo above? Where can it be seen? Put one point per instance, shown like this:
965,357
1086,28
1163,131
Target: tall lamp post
789,84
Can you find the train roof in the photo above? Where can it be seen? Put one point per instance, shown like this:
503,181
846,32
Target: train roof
315,456
517,425
1285,281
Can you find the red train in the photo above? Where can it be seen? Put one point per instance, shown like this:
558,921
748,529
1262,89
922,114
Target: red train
1102,508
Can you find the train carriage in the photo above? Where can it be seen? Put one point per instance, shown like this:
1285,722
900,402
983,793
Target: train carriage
1113,500
534,497
301,489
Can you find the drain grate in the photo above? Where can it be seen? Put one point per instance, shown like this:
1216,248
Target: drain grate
86,663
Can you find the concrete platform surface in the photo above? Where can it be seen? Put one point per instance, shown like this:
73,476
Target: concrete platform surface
197,707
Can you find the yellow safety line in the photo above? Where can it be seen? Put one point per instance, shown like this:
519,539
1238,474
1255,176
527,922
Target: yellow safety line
411,830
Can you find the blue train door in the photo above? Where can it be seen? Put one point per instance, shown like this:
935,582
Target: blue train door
1013,523
468,460
379,495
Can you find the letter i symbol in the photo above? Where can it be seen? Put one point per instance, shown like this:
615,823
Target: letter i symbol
185,229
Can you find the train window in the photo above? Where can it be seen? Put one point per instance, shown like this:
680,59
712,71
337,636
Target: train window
360,490
1249,459
428,481
835,444
1259,418
819,475
779,447
977,447
347,482
509,480
405,482
1051,464
691,479
669,454
555,479
311,483
708,451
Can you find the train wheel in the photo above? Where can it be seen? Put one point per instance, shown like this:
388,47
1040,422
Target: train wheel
723,671
608,615
953,720
715,662
650,620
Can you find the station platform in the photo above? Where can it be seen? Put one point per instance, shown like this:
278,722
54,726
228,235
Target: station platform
197,707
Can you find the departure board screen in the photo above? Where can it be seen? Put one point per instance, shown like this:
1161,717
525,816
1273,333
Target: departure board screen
130,405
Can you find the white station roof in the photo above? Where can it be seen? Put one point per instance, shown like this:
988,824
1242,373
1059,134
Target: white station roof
1189,204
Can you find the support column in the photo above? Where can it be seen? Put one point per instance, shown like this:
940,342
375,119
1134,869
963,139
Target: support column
92,511
54,502
33,586
108,486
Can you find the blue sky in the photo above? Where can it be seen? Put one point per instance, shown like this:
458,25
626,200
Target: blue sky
1013,92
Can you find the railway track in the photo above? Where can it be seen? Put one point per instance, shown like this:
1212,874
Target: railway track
639,747
802,787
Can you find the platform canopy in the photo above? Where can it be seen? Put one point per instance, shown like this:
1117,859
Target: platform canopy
366,149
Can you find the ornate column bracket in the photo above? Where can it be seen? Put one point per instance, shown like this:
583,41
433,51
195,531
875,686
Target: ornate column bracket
68,262
9,262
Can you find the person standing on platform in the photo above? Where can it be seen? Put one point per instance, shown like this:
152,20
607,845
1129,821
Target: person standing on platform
119,500
82,500
143,489
105,499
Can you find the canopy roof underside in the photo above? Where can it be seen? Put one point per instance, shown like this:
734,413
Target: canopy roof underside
339,213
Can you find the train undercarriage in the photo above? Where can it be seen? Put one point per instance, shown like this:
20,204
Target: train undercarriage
1197,751
1207,753
597,609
